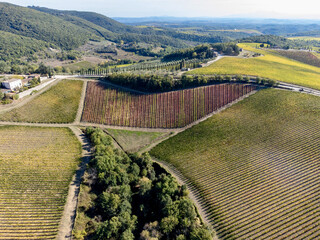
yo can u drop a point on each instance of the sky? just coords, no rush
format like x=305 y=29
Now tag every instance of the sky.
x=306 y=9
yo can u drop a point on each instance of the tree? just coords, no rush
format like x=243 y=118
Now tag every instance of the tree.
x=202 y=233
x=128 y=221
x=42 y=69
x=109 y=204
x=145 y=185
x=168 y=224
x=186 y=209
x=127 y=235
x=151 y=231
x=258 y=80
x=239 y=78
x=108 y=229
x=229 y=51
x=194 y=55
x=16 y=69
x=3 y=67
x=227 y=78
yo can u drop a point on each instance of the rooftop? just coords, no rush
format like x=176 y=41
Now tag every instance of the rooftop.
x=12 y=80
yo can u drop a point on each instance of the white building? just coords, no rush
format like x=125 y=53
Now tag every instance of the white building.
x=12 y=84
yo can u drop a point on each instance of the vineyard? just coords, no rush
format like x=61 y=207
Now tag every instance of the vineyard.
x=301 y=56
x=133 y=141
x=36 y=166
x=257 y=166
x=164 y=110
x=268 y=65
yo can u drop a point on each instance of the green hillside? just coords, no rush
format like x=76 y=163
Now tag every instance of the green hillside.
x=113 y=30
x=13 y=46
x=31 y=23
x=95 y=18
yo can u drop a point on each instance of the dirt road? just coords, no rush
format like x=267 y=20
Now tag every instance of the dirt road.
x=69 y=213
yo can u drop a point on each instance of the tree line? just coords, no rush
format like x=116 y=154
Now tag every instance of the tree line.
x=277 y=42
x=203 y=51
x=158 y=83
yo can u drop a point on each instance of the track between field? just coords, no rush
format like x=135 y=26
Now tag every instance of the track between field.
x=70 y=209
x=69 y=214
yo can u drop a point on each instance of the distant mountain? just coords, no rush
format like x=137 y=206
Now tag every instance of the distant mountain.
x=281 y=27
x=236 y=19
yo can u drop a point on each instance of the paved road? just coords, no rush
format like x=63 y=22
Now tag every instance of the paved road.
x=217 y=59
x=297 y=88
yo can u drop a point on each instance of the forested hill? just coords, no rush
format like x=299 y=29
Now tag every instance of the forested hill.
x=112 y=30
x=120 y=31
x=71 y=29
x=95 y=18
x=41 y=26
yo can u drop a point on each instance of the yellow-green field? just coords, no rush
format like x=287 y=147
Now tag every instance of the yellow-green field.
x=270 y=65
x=122 y=65
x=305 y=38
x=59 y=104
x=36 y=167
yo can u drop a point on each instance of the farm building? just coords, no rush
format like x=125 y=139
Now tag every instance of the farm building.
x=12 y=84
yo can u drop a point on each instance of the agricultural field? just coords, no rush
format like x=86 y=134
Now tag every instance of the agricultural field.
x=36 y=167
x=257 y=166
x=59 y=104
x=174 y=109
x=301 y=56
x=270 y=65
x=305 y=38
x=133 y=141
x=73 y=67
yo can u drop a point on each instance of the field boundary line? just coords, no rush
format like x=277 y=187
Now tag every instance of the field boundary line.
x=70 y=209
x=81 y=102
x=165 y=130
x=175 y=131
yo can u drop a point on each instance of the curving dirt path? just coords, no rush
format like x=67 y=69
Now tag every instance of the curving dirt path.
x=70 y=208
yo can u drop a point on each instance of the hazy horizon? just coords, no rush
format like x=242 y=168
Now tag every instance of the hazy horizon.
x=188 y=8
